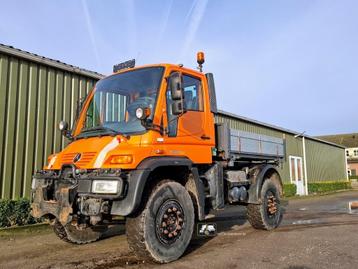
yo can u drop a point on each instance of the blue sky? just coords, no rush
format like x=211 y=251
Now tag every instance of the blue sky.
x=289 y=63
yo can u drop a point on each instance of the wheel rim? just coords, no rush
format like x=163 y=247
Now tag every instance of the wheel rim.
x=170 y=222
x=272 y=204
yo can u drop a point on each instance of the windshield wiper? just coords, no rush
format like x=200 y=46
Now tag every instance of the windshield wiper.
x=100 y=128
x=92 y=132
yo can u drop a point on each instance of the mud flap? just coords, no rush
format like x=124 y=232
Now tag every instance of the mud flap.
x=215 y=178
x=61 y=209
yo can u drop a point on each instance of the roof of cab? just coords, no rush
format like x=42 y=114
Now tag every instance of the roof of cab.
x=165 y=65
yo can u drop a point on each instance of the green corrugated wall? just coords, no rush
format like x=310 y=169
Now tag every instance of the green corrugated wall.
x=34 y=98
x=324 y=162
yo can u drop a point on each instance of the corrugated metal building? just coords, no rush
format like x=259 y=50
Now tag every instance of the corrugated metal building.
x=37 y=92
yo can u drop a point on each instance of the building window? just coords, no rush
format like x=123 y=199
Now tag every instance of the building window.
x=295 y=169
x=355 y=152
x=353 y=172
x=347 y=153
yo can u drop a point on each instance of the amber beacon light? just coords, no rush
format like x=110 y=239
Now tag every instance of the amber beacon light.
x=200 y=58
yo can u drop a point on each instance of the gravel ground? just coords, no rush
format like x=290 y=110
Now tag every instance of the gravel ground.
x=317 y=232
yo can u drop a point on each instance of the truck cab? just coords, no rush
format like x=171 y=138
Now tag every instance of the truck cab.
x=108 y=121
x=145 y=146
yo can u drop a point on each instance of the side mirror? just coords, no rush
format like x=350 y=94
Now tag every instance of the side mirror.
x=176 y=86
x=177 y=93
x=178 y=107
x=63 y=127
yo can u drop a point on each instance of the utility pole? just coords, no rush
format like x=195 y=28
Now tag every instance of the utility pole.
x=304 y=159
x=305 y=164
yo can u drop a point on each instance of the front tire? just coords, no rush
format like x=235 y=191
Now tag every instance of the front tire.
x=71 y=234
x=268 y=214
x=162 y=231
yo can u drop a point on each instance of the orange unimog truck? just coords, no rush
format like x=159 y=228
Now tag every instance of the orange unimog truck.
x=147 y=145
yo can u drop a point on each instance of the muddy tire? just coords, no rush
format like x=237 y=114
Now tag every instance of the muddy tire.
x=163 y=229
x=71 y=234
x=268 y=214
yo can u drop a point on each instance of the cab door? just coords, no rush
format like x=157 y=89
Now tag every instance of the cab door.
x=190 y=131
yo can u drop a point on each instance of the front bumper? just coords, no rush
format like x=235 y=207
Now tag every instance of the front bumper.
x=62 y=194
x=61 y=208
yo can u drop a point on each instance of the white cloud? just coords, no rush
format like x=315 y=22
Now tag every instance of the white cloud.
x=195 y=15
x=165 y=22
x=91 y=32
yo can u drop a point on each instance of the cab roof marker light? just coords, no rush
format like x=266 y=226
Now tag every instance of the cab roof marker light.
x=124 y=65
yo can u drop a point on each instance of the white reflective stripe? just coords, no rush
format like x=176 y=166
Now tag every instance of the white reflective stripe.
x=52 y=161
x=102 y=155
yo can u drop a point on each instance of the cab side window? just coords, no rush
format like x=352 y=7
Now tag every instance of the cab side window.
x=193 y=96
x=193 y=101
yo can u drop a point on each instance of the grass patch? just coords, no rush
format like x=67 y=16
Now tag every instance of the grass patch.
x=31 y=229
x=289 y=190
x=328 y=186
x=16 y=213
x=317 y=188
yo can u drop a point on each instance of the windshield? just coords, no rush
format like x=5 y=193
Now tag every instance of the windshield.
x=116 y=98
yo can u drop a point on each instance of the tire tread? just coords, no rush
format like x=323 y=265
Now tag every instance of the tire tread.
x=61 y=233
x=255 y=212
x=135 y=228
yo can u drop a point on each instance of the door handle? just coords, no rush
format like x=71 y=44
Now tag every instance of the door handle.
x=204 y=137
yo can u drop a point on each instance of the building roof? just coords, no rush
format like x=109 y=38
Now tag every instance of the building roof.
x=277 y=128
x=9 y=50
x=346 y=140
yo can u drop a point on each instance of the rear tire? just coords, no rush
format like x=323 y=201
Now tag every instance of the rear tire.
x=71 y=234
x=268 y=214
x=162 y=231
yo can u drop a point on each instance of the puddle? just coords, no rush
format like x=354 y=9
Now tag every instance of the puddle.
x=308 y=221
x=353 y=211
x=353 y=207
x=106 y=263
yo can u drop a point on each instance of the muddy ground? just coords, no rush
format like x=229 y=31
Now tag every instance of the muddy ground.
x=317 y=232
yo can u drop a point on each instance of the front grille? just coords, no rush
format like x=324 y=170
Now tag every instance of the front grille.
x=86 y=158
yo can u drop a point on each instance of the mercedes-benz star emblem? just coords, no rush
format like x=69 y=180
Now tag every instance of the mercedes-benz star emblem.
x=77 y=157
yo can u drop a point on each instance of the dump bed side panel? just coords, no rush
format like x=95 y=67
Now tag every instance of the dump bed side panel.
x=237 y=143
x=242 y=142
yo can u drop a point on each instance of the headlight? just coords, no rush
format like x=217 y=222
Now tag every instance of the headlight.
x=105 y=186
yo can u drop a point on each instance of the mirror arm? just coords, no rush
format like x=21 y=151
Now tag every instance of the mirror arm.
x=68 y=135
x=166 y=131
x=153 y=127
